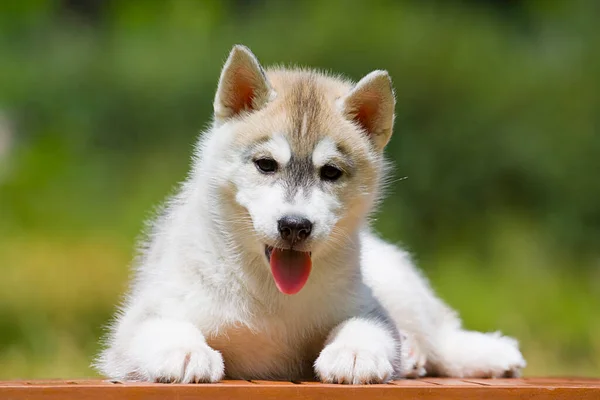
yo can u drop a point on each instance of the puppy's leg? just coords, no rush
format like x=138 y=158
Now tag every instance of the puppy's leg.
x=469 y=354
x=433 y=328
x=358 y=351
x=163 y=350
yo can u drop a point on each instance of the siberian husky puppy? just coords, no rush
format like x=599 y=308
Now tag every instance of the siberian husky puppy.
x=263 y=266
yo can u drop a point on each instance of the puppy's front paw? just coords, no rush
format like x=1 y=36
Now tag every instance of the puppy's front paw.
x=340 y=363
x=173 y=351
x=199 y=365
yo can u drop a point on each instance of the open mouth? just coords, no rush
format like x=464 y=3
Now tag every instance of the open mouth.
x=290 y=268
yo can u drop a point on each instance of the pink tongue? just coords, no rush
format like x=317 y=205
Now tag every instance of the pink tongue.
x=290 y=269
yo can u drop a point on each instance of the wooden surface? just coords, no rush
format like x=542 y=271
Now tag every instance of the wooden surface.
x=430 y=388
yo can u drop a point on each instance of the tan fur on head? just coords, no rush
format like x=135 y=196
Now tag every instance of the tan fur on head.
x=305 y=110
x=310 y=103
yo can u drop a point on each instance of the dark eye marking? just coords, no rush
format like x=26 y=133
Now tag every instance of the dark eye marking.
x=266 y=165
x=330 y=173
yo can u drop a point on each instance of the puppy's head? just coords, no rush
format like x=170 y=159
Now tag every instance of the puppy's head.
x=304 y=159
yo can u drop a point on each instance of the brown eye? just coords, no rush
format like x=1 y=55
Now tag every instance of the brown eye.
x=330 y=173
x=266 y=165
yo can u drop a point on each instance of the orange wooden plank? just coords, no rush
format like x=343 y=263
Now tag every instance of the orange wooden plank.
x=499 y=382
x=563 y=383
x=450 y=382
x=590 y=381
x=426 y=389
x=294 y=392
x=272 y=383
x=412 y=382
x=234 y=382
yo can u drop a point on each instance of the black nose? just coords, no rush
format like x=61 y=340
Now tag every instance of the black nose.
x=294 y=229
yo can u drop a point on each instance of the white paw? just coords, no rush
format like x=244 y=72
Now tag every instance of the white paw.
x=174 y=352
x=412 y=359
x=339 y=363
x=187 y=366
x=482 y=355
x=502 y=358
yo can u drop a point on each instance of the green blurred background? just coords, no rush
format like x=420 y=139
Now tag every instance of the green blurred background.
x=498 y=136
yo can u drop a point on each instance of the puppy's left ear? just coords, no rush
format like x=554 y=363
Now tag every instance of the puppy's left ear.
x=243 y=85
x=370 y=104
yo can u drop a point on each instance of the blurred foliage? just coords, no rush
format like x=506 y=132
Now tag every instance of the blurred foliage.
x=497 y=132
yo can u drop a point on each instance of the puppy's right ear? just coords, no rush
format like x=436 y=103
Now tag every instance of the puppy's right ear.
x=243 y=85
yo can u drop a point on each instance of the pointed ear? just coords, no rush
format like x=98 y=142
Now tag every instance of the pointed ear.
x=370 y=104
x=243 y=85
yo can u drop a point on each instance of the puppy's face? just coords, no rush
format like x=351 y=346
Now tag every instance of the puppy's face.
x=297 y=193
x=306 y=160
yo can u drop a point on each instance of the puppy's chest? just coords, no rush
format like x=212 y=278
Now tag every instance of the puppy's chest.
x=271 y=351
x=281 y=341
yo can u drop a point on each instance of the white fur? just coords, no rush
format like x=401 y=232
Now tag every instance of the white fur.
x=358 y=351
x=165 y=350
x=266 y=203
x=278 y=147
x=325 y=151
x=204 y=304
